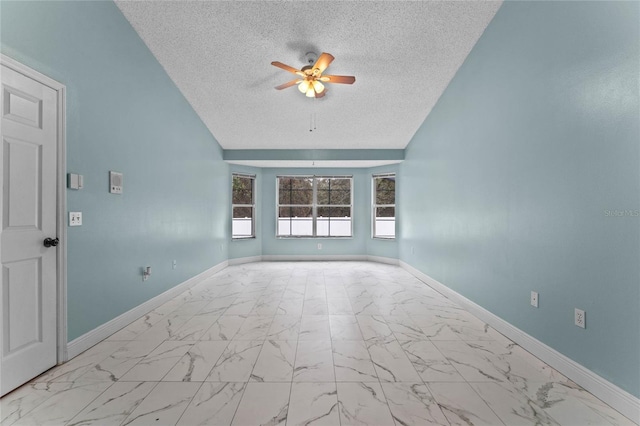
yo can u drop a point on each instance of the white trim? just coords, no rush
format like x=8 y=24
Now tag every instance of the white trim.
x=61 y=197
x=380 y=259
x=297 y=257
x=311 y=257
x=31 y=73
x=618 y=398
x=241 y=260
x=98 y=334
x=62 y=225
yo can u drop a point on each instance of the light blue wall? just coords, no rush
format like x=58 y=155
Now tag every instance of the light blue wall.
x=249 y=247
x=505 y=188
x=124 y=114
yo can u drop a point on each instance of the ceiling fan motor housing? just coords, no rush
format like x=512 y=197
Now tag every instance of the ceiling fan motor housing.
x=311 y=58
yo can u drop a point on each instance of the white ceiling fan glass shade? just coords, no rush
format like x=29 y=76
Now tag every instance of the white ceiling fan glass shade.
x=311 y=93
x=317 y=86
x=304 y=86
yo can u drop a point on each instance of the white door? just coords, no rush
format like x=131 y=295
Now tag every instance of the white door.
x=28 y=217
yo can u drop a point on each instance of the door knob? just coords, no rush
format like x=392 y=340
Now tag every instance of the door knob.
x=50 y=242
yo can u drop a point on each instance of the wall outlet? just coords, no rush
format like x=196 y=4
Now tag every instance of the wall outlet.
x=534 y=299
x=146 y=272
x=580 y=318
x=319 y=246
x=174 y=265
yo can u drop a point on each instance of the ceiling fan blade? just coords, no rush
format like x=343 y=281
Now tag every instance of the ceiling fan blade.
x=321 y=94
x=287 y=68
x=288 y=84
x=323 y=61
x=342 y=79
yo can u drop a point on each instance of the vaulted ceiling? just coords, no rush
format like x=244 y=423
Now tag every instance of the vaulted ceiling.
x=219 y=55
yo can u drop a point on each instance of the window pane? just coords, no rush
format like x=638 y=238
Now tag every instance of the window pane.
x=340 y=197
x=242 y=190
x=334 y=222
x=385 y=190
x=385 y=227
x=341 y=183
x=242 y=223
x=385 y=212
x=323 y=183
x=242 y=212
x=284 y=188
x=324 y=211
x=334 y=196
x=295 y=191
x=334 y=191
x=295 y=221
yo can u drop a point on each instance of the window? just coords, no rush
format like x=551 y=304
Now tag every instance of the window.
x=384 y=206
x=314 y=206
x=243 y=206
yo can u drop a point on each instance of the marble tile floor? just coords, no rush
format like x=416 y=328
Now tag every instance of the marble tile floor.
x=306 y=343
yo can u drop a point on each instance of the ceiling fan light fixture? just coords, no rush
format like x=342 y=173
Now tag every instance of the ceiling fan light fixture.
x=317 y=86
x=304 y=86
x=311 y=82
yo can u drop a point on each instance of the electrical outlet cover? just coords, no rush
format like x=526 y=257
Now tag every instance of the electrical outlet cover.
x=580 y=318
x=534 y=299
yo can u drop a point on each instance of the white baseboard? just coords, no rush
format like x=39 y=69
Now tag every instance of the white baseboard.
x=241 y=260
x=98 y=334
x=313 y=257
x=618 y=398
x=304 y=257
x=380 y=259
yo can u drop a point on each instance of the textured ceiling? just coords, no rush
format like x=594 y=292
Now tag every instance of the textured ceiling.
x=219 y=54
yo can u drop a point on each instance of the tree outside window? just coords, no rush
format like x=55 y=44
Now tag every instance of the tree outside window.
x=384 y=206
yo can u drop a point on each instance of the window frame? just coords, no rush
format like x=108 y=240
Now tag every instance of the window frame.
x=375 y=206
x=252 y=205
x=314 y=205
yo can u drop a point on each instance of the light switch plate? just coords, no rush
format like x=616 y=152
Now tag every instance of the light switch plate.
x=75 y=181
x=75 y=218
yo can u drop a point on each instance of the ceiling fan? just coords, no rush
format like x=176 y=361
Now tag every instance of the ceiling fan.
x=310 y=76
